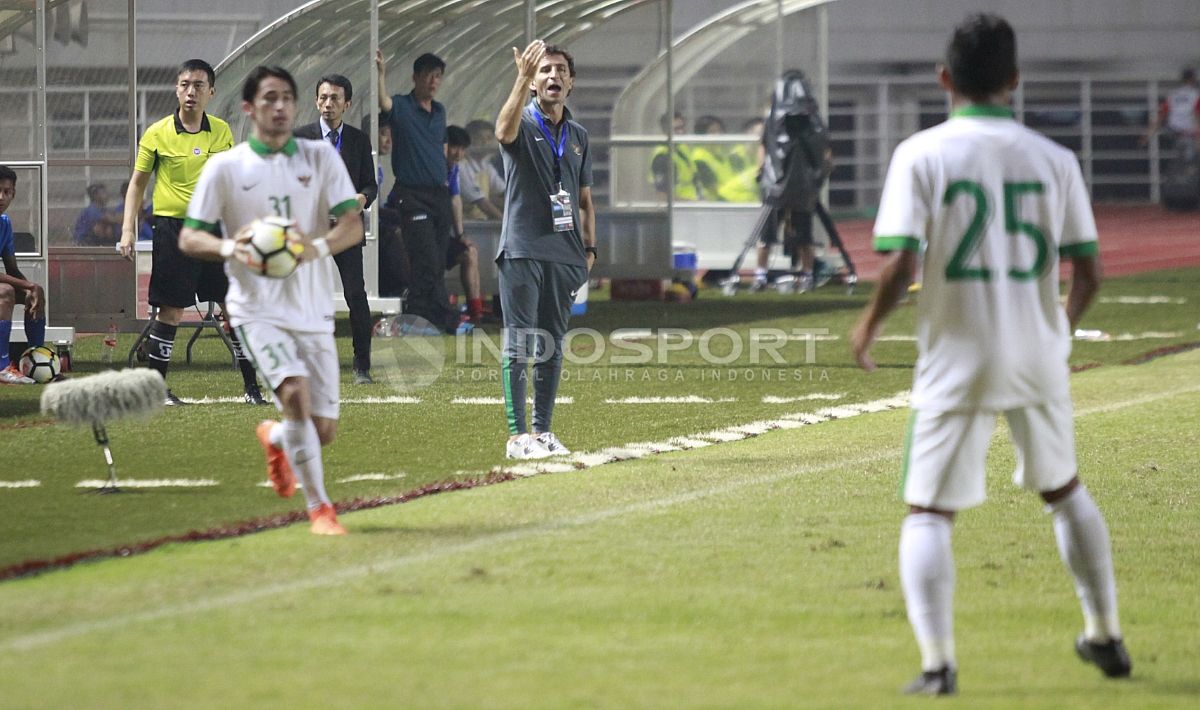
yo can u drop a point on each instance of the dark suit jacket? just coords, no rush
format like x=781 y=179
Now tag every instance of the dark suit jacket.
x=356 y=154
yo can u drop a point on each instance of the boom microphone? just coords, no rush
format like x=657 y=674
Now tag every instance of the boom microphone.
x=103 y=398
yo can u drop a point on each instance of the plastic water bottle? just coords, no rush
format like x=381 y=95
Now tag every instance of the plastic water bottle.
x=110 y=344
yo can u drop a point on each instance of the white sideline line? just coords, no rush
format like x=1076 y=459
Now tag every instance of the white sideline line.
x=1098 y=337
x=500 y=400
x=31 y=483
x=1143 y=300
x=772 y=399
x=46 y=638
x=685 y=399
x=348 y=400
x=372 y=477
x=150 y=483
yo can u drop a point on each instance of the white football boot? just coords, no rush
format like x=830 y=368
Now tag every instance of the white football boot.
x=551 y=444
x=525 y=447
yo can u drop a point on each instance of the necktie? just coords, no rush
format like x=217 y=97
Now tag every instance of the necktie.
x=333 y=138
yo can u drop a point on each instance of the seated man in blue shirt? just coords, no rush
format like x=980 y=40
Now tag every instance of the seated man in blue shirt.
x=15 y=288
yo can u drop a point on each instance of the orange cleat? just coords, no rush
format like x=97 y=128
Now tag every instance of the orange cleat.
x=324 y=521
x=279 y=471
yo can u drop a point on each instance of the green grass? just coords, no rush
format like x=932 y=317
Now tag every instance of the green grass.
x=758 y=573
x=437 y=440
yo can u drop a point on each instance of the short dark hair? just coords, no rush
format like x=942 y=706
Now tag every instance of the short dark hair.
x=667 y=121
x=1188 y=75
x=480 y=124
x=562 y=51
x=708 y=121
x=458 y=137
x=7 y=173
x=336 y=80
x=256 y=76
x=198 y=65
x=428 y=62
x=982 y=56
x=95 y=189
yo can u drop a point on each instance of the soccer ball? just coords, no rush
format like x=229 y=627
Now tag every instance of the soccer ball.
x=40 y=364
x=274 y=248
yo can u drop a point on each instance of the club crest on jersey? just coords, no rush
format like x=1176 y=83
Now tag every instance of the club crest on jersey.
x=195 y=151
x=304 y=179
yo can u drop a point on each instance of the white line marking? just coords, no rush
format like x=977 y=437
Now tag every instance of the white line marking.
x=52 y=636
x=150 y=483
x=1143 y=300
x=687 y=399
x=802 y=337
x=20 y=484
x=500 y=400
x=372 y=477
x=348 y=400
x=772 y=399
x=268 y=484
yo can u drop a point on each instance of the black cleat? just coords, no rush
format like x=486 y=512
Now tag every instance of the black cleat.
x=943 y=681
x=363 y=377
x=254 y=395
x=173 y=401
x=1110 y=656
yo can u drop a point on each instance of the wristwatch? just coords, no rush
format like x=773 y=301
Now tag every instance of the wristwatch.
x=592 y=251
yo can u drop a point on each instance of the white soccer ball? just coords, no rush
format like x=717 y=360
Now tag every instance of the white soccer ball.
x=274 y=248
x=40 y=364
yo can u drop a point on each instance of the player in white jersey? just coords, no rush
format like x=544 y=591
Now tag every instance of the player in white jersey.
x=995 y=207
x=286 y=324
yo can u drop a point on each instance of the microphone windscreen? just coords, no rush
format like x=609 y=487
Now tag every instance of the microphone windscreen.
x=105 y=397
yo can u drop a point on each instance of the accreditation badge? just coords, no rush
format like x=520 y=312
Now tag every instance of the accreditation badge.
x=561 y=210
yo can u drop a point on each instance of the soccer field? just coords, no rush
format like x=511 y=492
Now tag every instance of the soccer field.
x=746 y=571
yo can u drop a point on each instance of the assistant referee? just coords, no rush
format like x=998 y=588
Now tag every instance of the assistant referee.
x=175 y=149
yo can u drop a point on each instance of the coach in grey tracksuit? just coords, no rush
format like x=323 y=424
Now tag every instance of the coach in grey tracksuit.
x=547 y=245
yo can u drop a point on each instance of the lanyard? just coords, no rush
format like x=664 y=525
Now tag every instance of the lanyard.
x=556 y=149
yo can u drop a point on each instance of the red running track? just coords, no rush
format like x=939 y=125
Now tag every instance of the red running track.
x=1133 y=239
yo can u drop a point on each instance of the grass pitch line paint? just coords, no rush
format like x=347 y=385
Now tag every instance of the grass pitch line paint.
x=687 y=399
x=151 y=483
x=372 y=477
x=115 y=623
x=1143 y=300
x=771 y=399
x=21 y=484
x=53 y=636
x=493 y=401
x=347 y=400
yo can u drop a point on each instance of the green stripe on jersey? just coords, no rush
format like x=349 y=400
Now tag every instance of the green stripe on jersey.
x=344 y=206
x=1080 y=249
x=897 y=242
x=202 y=225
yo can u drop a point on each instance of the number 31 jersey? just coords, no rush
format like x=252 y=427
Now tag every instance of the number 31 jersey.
x=994 y=206
x=305 y=181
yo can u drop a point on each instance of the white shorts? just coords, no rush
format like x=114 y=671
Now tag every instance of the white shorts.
x=944 y=453
x=279 y=353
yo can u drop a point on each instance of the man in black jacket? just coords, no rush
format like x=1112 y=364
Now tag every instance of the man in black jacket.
x=334 y=95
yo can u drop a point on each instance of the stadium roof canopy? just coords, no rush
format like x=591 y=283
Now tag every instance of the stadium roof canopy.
x=473 y=36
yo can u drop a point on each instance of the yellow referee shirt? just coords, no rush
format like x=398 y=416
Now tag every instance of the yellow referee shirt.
x=178 y=157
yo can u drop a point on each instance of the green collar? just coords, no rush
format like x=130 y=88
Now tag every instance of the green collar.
x=288 y=149
x=982 y=111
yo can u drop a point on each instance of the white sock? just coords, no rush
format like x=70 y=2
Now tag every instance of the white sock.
x=303 y=449
x=275 y=435
x=760 y=274
x=1083 y=544
x=927 y=576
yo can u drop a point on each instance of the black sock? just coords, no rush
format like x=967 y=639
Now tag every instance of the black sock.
x=249 y=377
x=159 y=344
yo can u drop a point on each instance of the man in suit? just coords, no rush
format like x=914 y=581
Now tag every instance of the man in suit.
x=334 y=96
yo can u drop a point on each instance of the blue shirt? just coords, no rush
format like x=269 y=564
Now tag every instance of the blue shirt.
x=7 y=247
x=418 y=158
x=88 y=219
x=452 y=180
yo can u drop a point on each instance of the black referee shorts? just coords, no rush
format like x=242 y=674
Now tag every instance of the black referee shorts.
x=179 y=280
